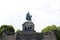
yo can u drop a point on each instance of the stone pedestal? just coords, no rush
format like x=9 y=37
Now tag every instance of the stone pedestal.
x=28 y=26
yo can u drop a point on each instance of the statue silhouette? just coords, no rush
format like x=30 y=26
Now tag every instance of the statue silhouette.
x=28 y=17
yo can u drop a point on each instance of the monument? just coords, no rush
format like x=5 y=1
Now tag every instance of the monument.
x=28 y=32
x=28 y=26
x=28 y=17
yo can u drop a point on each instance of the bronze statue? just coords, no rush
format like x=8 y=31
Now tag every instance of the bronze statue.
x=28 y=17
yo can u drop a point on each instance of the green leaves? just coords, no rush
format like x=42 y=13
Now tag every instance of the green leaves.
x=49 y=28
x=53 y=28
x=18 y=31
x=58 y=33
x=8 y=29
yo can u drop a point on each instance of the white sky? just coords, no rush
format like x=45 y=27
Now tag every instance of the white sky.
x=44 y=12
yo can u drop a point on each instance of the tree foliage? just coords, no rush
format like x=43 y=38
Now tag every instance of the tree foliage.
x=49 y=28
x=8 y=29
x=53 y=28
x=18 y=31
x=58 y=33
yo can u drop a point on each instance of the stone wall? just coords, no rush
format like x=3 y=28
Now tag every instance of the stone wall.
x=36 y=36
x=26 y=36
x=8 y=37
x=30 y=36
x=49 y=36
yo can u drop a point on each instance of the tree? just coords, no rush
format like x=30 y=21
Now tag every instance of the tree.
x=18 y=31
x=49 y=28
x=7 y=29
x=53 y=28
x=58 y=33
x=0 y=32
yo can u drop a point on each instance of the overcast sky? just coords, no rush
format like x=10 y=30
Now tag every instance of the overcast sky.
x=44 y=12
